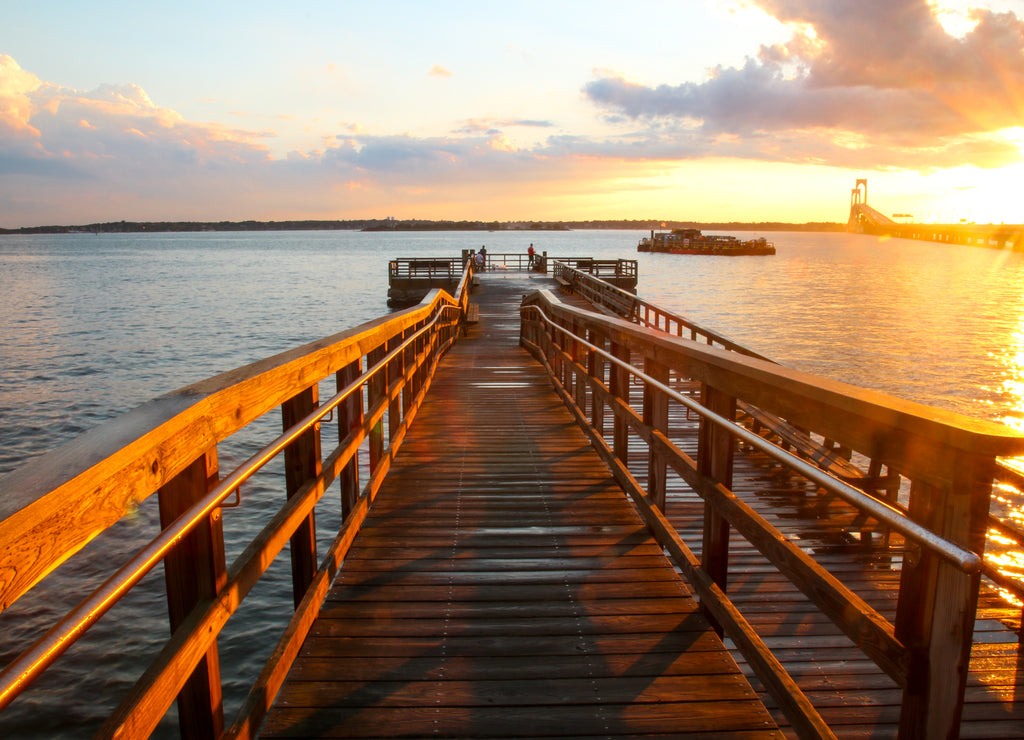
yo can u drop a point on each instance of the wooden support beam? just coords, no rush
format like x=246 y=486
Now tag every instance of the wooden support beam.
x=302 y=463
x=350 y=418
x=595 y=367
x=715 y=452
x=618 y=384
x=655 y=415
x=376 y=392
x=938 y=602
x=194 y=572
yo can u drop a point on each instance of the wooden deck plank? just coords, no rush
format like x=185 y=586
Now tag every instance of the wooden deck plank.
x=503 y=586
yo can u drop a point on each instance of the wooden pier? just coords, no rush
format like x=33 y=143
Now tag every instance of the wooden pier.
x=503 y=585
x=567 y=513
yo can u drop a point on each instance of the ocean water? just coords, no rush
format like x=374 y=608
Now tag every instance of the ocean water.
x=94 y=325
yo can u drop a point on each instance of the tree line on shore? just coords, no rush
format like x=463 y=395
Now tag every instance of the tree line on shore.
x=121 y=227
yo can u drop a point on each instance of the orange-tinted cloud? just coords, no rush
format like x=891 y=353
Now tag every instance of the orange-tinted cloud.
x=882 y=73
x=16 y=88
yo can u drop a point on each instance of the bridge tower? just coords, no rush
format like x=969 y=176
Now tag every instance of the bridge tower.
x=864 y=218
x=856 y=195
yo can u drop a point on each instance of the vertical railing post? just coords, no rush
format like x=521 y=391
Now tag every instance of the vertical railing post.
x=938 y=601
x=301 y=464
x=715 y=453
x=562 y=343
x=595 y=368
x=395 y=372
x=195 y=571
x=350 y=418
x=655 y=415
x=578 y=353
x=408 y=360
x=374 y=394
x=618 y=384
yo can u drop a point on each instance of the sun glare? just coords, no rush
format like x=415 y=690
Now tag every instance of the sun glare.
x=954 y=18
x=967 y=195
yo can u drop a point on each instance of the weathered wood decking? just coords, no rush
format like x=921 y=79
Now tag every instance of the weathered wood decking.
x=503 y=586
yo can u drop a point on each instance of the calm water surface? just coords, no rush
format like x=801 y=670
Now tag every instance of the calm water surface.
x=94 y=325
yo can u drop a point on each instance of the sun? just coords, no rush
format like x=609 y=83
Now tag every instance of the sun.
x=969 y=194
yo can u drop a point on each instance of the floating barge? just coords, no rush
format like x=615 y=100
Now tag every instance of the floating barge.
x=692 y=241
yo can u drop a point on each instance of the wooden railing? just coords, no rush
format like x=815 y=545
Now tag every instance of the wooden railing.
x=429 y=268
x=56 y=504
x=598 y=268
x=948 y=460
x=619 y=302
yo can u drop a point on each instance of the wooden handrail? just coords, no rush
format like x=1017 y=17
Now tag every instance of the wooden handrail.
x=55 y=504
x=949 y=460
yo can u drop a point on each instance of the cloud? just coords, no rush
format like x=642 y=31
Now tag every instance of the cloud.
x=438 y=71
x=16 y=88
x=73 y=156
x=494 y=126
x=113 y=127
x=883 y=75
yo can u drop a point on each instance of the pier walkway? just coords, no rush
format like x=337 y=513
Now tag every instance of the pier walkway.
x=544 y=508
x=503 y=585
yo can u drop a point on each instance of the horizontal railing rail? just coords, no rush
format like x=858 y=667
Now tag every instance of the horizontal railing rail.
x=948 y=460
x=381 y=369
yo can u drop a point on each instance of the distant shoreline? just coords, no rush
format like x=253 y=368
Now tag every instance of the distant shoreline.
x=388 y=225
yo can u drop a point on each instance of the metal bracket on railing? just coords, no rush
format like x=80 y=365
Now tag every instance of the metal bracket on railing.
x=236 y=503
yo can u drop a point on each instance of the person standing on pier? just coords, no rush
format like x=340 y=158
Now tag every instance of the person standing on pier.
x=482 y=255
x=532 y=253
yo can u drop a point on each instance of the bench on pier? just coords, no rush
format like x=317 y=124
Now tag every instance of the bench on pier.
x=833 y=460
x=472 y=317
x=563 y=283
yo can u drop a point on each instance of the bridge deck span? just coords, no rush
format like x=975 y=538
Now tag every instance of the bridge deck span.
x=503 y=586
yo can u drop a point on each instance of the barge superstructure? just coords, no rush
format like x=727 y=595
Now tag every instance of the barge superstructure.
x=692 y=241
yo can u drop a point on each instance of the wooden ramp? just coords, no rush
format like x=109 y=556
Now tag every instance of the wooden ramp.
x=503 y=586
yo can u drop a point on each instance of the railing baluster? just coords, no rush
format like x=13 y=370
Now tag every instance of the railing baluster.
x=715 y=453
x=195 y=571
x=395 y=370
x=408 y=358
x=655 y=415
x=595 y=367
x=375 y=392
x=350 y=418
x=618 y=384
x=937 y=601
x=578 y=352
x=302 y=463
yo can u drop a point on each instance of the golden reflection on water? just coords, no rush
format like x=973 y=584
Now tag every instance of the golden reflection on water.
x=1013 y=383
x=1008 y=501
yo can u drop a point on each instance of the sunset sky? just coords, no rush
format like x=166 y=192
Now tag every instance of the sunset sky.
x=737 y=110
